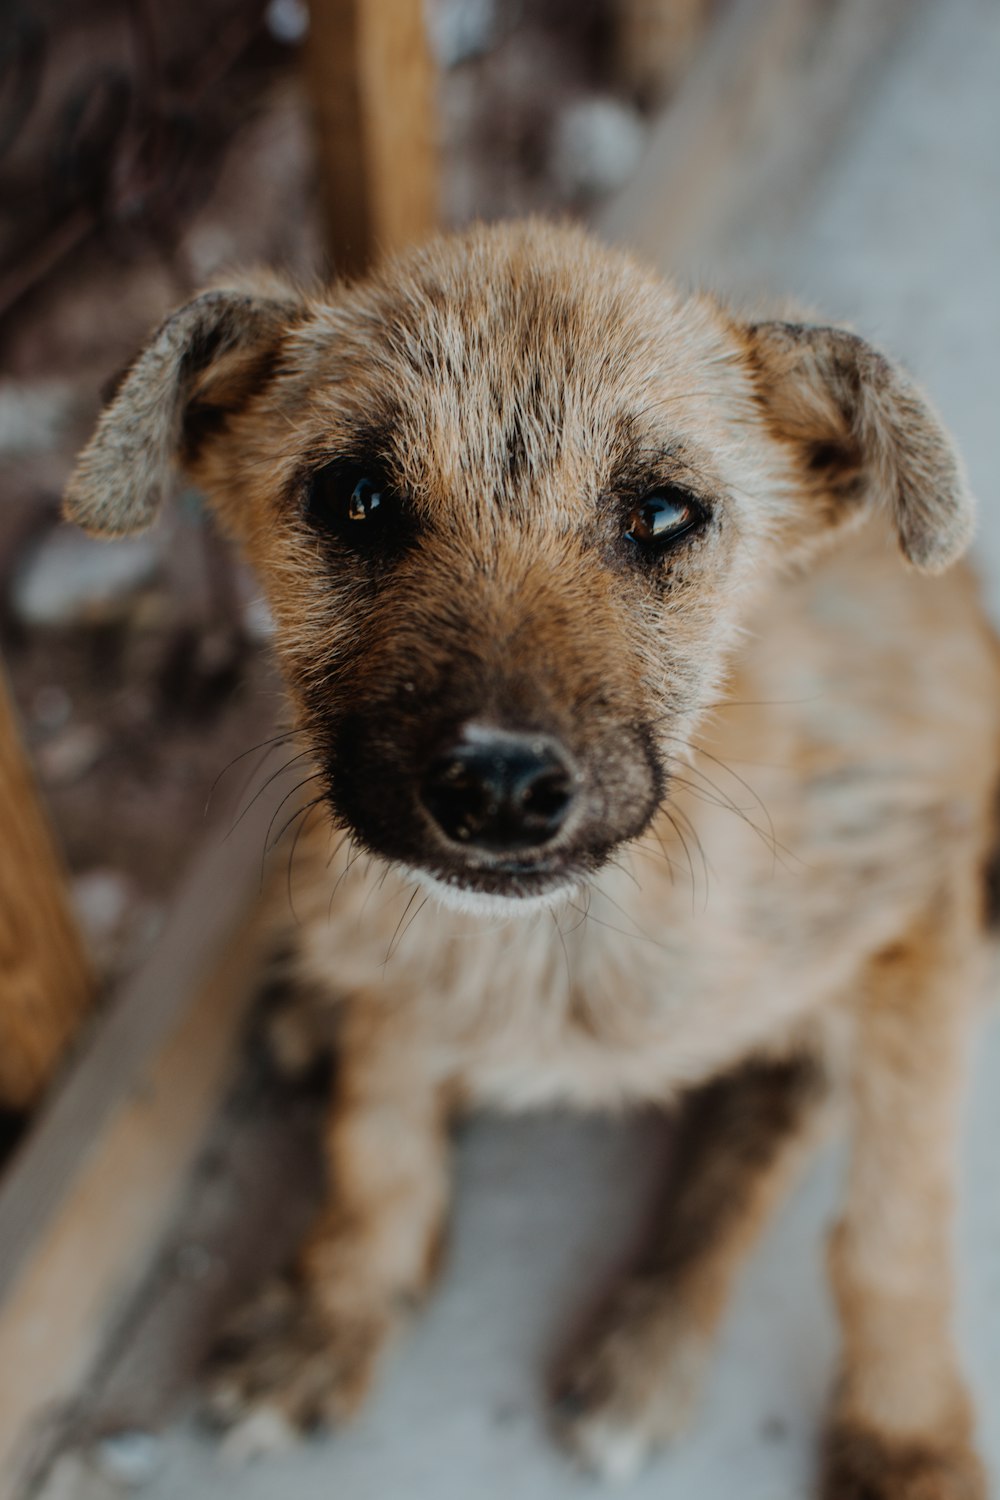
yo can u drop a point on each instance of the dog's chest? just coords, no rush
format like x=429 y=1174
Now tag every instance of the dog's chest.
x=623 y=1009
x=628 y=994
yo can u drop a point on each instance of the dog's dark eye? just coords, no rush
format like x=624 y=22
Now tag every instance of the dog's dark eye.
x=661 y=518
x=358 y=507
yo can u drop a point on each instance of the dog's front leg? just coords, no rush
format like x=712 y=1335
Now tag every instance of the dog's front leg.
x=634 y=1380
x=306 y=1352
x=901 y=1425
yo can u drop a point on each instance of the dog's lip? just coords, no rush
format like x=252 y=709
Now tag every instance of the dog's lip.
x=518 y=879
x=459 y=863
x=503 y=880
x=527 y=867
x=515 y=896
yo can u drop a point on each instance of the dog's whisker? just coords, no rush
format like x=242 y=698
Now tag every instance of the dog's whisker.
x=414 y=917
x=271 y=744
x=309 y=809
x=375 y=887
x=354 y=851
x=691 y=826
x=631 y=937
x=302 y=754
x=767 y=835
x=638 y=932
x=616 y=862
x=345 y=835
x=582 y=919
x=660 y=855
x=392 y=941
x=269 y=845
x=668 y=813
x=562 y=941
x=336 y=886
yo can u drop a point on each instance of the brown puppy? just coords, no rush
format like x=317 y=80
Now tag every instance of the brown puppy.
x=607 y=622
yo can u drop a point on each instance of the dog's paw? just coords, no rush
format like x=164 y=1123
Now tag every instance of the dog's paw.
x=284 y=1367
x=631 y=1387
x=859 y=1465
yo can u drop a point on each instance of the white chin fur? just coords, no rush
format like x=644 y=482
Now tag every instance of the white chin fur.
x=485 y=904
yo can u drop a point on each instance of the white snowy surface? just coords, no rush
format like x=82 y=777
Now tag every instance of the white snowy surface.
x=902 y=237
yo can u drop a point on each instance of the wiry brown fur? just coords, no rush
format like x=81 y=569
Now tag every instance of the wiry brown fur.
x=785 y=741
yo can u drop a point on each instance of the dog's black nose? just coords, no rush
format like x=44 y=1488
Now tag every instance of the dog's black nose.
x=500 y=791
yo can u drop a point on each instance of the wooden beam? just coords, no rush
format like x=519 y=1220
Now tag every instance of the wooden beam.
x=86 y=1203
x=45 y=982
x=372 y=85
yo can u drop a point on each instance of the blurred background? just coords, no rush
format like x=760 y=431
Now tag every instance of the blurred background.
x=839 y=151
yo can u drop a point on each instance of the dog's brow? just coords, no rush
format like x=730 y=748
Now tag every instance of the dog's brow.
x=360 y=440
x=640 y=461
x=636 y=465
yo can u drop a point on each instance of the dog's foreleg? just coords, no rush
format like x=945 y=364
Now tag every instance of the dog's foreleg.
x=308 y=1350
x=632 y=1385
x=901 y=1424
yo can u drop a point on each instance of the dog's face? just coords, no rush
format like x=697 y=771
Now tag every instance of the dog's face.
x=507 y=500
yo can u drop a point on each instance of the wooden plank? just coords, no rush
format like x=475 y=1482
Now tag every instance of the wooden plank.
x=372 y=85
x=46 y=986
x=86 y=1204
x=252 y=1198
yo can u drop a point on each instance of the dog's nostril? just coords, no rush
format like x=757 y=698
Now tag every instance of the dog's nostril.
x=499 y=791
x=549 y=796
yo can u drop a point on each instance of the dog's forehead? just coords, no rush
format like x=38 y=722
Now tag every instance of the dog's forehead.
x=510 y=357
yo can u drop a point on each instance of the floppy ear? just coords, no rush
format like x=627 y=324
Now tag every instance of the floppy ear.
x=865 y=436
x=199 y=367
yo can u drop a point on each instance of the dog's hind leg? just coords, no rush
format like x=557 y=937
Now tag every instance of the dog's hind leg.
x=633 y=1381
